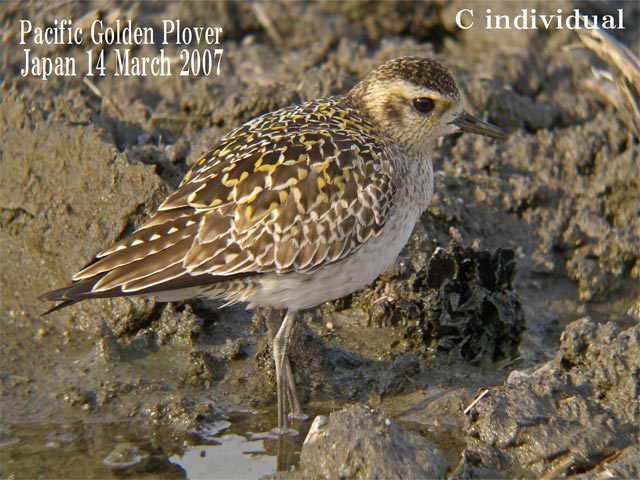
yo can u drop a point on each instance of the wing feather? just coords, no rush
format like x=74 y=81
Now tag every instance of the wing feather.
x=267 y=198
x=341 y=202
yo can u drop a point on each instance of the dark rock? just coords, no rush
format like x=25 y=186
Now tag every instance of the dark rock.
x=471 y=305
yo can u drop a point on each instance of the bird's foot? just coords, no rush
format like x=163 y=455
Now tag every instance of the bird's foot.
x=300 y=416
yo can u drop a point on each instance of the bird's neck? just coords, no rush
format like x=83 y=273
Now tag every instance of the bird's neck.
x=414 y=178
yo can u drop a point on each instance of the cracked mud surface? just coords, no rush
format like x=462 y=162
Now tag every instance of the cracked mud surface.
x=546 y=318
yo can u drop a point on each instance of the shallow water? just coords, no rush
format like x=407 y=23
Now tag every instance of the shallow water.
x=234 y=457
x=106 y=449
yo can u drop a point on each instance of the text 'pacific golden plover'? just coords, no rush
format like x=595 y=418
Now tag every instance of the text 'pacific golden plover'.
x=296 y=207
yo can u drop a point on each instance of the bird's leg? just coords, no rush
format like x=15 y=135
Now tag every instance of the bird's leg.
x=284 y=378
x=292 y=397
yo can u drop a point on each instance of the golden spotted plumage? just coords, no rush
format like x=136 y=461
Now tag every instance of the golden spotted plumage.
x=296 y=207
x=262 y=200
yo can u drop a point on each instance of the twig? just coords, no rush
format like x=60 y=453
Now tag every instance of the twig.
x=559 y=469
x=475 y=401
x=267 y=24
x=511 y=362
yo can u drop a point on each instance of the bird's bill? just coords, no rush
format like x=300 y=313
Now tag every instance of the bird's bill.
x=468 y=123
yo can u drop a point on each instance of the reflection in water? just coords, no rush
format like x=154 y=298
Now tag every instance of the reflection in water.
x=237 y=452
x=234 y=457
x=100 y=449
x=288 y=452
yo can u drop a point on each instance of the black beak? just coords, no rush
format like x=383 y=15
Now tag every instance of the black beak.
x=469 y=123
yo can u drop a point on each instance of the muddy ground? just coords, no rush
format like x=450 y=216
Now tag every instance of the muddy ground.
x=520 y=284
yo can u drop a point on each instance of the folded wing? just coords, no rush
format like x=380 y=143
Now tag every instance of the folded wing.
x=291 y=197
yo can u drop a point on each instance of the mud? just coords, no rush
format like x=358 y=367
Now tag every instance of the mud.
x=357 y=442
x=134 y=387
x=535 y=423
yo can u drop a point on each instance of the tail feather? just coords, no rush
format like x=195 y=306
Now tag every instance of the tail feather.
x=83 y=289
x=60 y=306
x=151 y=261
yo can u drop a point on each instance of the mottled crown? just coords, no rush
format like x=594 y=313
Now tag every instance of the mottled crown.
x=422 y=72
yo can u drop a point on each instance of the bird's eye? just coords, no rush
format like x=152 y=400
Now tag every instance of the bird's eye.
x=424 y=104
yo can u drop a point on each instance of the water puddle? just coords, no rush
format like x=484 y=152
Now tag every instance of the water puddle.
x=234 y=457
x=241 y=447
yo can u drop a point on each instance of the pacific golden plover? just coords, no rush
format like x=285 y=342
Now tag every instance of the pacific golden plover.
x=296 y=207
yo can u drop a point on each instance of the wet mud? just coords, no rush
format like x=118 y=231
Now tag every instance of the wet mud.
x=504 y=342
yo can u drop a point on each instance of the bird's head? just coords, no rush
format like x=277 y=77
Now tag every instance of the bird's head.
x=414 y=101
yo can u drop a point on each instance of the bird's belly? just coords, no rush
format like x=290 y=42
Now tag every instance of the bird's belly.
x=297 y=291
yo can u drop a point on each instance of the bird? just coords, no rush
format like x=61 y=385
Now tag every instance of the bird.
x=296 y=207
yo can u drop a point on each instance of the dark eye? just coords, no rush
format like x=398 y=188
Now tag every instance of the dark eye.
x=423 y=104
